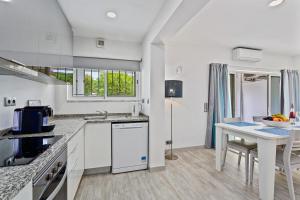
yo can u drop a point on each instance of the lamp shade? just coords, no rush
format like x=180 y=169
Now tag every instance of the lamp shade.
x=173 y=88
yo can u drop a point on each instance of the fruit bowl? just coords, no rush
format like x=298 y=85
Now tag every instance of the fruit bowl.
x=276 y=124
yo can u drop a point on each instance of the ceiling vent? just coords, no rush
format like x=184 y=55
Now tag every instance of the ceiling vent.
x=100 y=42
x=247 y=54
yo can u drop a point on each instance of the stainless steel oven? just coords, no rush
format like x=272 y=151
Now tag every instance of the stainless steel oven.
x=51 y=182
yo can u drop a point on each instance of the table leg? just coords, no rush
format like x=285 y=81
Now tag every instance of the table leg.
x=266 y=158
x=219 y=148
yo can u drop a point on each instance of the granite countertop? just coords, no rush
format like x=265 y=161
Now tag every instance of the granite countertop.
x=14 y=179
x=115 y=117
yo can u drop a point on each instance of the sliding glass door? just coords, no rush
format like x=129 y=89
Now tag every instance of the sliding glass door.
x=254 y=94
x=274 y=94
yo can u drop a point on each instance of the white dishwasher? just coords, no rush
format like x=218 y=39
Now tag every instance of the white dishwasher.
x=129 y=146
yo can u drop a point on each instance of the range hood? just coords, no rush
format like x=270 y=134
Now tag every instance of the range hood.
x=14 y=68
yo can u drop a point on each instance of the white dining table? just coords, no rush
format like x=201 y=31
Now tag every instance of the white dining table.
x=266 y=144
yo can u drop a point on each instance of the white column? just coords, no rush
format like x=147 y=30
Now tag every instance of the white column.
x=266 y=157
x=157 y=125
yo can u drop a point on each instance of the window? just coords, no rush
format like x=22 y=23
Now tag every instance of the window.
x=275 y=94
x=104 y=83
x=120 y=83
x=63 y=74
x=89 y=82
x=232 y=93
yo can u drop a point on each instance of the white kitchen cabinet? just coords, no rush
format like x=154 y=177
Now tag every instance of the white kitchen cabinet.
x=25 y=193
x=97 y=145
x=75 y=162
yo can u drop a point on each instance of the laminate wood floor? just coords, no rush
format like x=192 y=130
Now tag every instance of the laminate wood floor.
x=191 y=177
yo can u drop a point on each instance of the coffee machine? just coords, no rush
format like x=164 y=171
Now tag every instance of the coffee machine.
x=32 y=119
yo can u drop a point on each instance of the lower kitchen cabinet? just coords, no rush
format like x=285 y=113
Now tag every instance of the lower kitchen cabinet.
x=97 y=145
x=25 y=193
x=75 y=162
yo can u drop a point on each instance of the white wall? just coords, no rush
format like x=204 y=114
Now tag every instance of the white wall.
x=84 y=46
x=296 y=61
x=23 y=90
x=25 y=26
x=62 y=106
x=189 y=116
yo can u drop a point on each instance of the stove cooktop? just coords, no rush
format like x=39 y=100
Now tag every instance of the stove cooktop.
x=22 y=151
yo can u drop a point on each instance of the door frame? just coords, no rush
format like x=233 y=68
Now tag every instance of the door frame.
x=260 y=71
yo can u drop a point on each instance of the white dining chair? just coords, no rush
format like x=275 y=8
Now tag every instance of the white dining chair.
x=241 y=146
x=285 y=159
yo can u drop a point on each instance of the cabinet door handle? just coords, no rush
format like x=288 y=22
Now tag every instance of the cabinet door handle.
x=73 y=150
x=130 y=127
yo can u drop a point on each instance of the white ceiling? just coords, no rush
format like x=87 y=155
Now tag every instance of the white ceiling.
x=88 y=17
x=249 y=23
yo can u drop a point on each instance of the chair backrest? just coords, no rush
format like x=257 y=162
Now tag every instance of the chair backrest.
x=292 y=145
x=258 y=118
x=228 y=120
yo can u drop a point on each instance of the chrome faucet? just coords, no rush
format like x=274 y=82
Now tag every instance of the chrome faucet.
x=102 y=113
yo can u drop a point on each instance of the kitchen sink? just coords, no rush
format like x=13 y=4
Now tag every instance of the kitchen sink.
x=95 y=117
x=110 y=117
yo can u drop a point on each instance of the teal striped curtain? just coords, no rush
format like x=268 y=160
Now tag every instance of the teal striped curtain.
x=219 y=105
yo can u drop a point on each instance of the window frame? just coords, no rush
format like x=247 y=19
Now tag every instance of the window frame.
x=71 y=97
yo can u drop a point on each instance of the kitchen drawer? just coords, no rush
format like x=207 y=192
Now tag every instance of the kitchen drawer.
x=25 y=193
x=75 y=162
x=75 y=140
x=72 y=158
x=74 y=178
x=73 y=182
x=76 y=149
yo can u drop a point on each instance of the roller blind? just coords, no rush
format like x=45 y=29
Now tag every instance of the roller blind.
x=107 y=64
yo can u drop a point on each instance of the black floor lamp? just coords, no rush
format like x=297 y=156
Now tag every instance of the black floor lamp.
x=173 y=89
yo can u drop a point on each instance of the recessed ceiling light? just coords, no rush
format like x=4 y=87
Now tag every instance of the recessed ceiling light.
x=275 y=3
x=111 y=14
x=5 y=1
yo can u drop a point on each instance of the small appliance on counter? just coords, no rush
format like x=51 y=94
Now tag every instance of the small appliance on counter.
x=32 y=119
x=136 y=109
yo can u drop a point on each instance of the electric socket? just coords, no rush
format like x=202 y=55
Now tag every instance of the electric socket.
x=10 y=101
x=205 y=107
x=13 y=101
x=168 y=142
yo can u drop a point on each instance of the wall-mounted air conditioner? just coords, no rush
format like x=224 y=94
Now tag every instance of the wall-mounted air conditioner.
x=247 y=54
